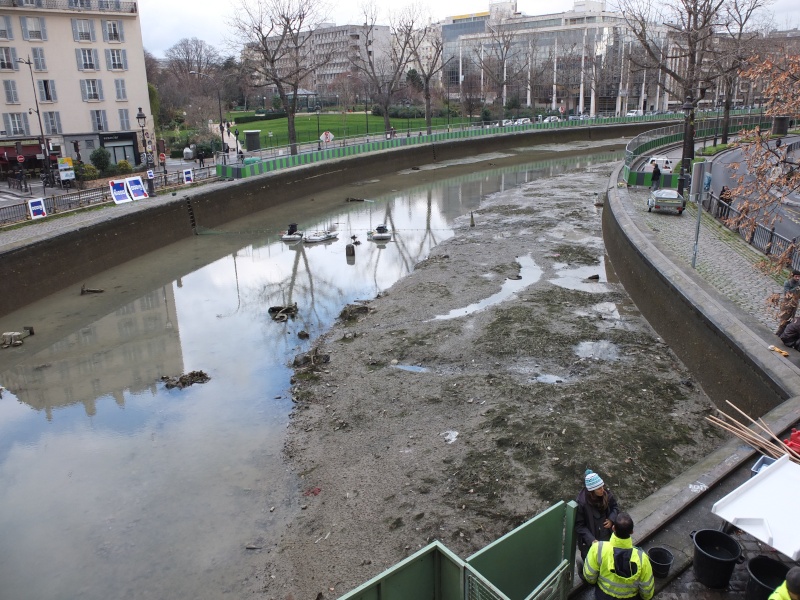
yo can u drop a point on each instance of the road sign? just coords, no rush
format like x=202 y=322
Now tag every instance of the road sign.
x=162 y=157
x=20 y=159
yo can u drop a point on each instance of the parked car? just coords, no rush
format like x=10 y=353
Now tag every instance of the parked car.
x=507 y=122
x=637 y=112
x=523 y=121
x=552 y=119
x=666 y=200
x=664 y=163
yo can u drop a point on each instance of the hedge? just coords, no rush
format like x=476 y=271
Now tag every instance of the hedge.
x=267 y=117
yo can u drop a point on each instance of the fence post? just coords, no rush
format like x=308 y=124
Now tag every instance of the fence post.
x=768 y=249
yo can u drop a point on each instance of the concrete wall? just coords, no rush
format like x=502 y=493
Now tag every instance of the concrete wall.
x=69 y=258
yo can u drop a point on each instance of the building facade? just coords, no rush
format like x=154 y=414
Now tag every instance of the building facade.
x=76 y=67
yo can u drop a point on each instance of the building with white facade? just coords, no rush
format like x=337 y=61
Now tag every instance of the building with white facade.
x=80 y=63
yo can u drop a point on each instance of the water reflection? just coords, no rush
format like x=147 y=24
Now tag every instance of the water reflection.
x=113 y=486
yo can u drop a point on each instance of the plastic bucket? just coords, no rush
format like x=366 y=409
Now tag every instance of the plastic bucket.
x=766 y=574
x=661 y=560
x=715 y=556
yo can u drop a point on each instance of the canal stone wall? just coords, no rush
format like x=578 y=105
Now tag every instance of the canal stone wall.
x=56 y=257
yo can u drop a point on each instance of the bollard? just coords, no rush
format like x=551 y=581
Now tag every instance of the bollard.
x=350 y=250
x=471 y=219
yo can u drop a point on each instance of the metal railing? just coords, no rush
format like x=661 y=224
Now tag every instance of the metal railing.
x=759 y=236
x=121 y=6
x=17 y=213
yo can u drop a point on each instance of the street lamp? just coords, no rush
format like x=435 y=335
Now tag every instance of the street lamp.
x=41 y=129
x=141 y=119
x=688 y=144
x=219 y=102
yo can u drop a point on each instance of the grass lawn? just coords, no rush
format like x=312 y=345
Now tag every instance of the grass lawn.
x=340 y=125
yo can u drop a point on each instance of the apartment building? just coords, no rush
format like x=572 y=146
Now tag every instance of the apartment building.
x=73 y=72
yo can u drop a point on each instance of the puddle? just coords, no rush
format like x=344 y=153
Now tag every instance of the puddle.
x=577 y=278
x=529 y=274
x=547 y=378
x=412 y=368
x=600 y=350
x=608 y=310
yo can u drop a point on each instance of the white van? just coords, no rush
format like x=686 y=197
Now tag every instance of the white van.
x=634 y=113
x=664 y=163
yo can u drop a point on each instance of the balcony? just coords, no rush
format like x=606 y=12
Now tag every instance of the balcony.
x=102 y=6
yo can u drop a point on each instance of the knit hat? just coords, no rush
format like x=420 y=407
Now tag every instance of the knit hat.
x=592 y=480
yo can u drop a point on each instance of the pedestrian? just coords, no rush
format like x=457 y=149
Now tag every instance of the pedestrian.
x=597 y=510
x=656 y=177
x=236 y=133
x=617 y=567
x=791 y=289
x=791 y=335
x=726 y=195
x=790 y=588
x=202 y=158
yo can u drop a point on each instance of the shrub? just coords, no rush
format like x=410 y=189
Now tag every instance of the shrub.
x=124 y=167
x=100 y=158
x=86 y=172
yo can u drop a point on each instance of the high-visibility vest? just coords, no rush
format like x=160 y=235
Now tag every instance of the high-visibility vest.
x=599 y=568
x=782 y=593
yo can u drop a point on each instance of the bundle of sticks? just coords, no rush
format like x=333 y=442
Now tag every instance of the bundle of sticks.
x=765 y=440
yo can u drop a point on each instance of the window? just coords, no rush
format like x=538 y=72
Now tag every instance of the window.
x=5 y=28
x=122 y=93
x=99 y=120
x=124 y=119
x=108 y=4
x=16 y=123
x=91 y=90
x=80 y=3
x=47 y=90
x=33 y=28
x=38 y=59
x=117 y=60
x=52 y=123
x=89 y=144
x=83 y=30
x=10 y=87
x=8 y=58
x=87 y=58
x=113 y=31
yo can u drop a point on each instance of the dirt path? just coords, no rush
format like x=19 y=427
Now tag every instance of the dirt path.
x=461 y=429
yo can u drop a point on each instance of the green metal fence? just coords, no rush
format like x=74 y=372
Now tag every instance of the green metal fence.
x=533 y=562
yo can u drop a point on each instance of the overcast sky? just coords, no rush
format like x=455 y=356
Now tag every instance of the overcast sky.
x=164 y=22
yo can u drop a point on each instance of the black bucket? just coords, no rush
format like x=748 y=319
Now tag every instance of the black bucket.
x=766 y=574
x=661 y=560
x=715 y=556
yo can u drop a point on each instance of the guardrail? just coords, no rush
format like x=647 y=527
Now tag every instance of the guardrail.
x=124 y=6
x=17 y=213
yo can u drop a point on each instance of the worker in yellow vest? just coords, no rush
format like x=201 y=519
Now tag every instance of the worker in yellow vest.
x=789 y=589
x=617 y=567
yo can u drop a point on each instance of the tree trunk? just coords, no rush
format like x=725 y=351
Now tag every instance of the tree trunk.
x=726 y=117
x=428 y=105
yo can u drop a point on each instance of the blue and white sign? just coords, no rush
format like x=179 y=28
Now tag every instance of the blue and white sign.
x=188 y=176
x=150 y=174
x=119 y=192
x=136 y=188
x=37 y=208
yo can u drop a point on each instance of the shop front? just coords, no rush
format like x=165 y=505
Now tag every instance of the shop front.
x=121 y=146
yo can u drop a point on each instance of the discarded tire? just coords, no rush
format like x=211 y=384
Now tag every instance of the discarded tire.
x=661 y=561
x=715 y=556
x=766 y=574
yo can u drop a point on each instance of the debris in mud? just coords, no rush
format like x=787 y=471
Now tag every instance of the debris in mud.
x=593 y=278
x=185 y=380
x=312 y=491
x=14 y=338
x=303 y=334
x=348 y=199
x=353 y=311
x=282 y=313
x=85 y=290
x=311 y=359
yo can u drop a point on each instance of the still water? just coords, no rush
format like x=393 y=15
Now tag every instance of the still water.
x=112 y=486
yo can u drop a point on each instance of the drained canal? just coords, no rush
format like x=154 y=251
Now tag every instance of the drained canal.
x=114 y=486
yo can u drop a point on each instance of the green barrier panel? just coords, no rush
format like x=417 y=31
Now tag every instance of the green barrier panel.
x=434 y=572
x=521 y=560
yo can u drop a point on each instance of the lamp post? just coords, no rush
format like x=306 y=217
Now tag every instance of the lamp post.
x=141 y=119
x=688 y=144
x=42 y=141
x=219 y=102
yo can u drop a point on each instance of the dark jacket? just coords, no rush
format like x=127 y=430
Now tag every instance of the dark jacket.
x=656 y=173
x=791 y=335
x=589 y=521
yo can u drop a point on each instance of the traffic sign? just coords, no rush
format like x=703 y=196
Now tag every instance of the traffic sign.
x=20 y=159
x=162 y=157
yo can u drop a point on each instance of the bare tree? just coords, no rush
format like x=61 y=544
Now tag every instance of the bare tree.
x=383 y=65
x=502 y=58
x=191 y=54
x=279 y=50
x=428 y=64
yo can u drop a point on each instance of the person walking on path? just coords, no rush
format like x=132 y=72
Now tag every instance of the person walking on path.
x=791 y=290
x=789 y=589
x=656 y=177
x=617 y=567
x=201 y=158
x=597 y=511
